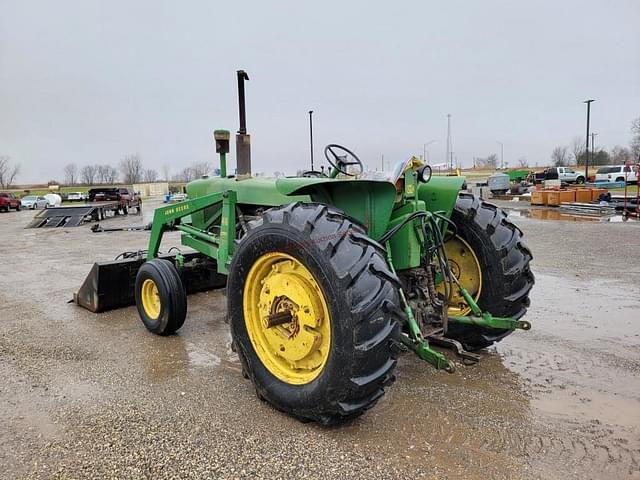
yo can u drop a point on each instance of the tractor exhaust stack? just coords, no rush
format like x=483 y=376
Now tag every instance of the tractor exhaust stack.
x=243 y=140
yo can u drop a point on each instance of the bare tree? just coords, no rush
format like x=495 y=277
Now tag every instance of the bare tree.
x=131 y=167
x=577 y=147
x=110 y=174
x=620 y=155
x=635 y=139
x=559 y=156
x=150 y=175
x=490 y=161
x=101 y=173
x=71 y=174
x=8 y=172
x=523 y=162
x=185 y=175
x=88 y=174
x=201 y=168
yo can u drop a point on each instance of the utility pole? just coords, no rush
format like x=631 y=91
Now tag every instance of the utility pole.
x=449 y=145
x=425 y=152
x=311 y=136
x=586 y=151
x=501 y=154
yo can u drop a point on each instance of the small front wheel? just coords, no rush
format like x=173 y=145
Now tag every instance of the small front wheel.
x=160 y=297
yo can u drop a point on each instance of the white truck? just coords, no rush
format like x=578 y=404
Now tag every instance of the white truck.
x=617 y=173
x=564 y=174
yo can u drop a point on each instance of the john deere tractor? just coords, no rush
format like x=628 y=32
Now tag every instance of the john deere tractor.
x=329 y=278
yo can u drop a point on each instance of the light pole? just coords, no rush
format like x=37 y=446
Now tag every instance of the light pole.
x=311 y=137
x=501 y=154
x=425 y=152
x=586 y=151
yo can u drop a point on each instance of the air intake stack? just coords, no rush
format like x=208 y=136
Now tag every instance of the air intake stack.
x=243 y=140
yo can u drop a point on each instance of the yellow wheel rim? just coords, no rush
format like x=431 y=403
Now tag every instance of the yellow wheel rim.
x=465 y=267
x=150 y=299
x=287 y=318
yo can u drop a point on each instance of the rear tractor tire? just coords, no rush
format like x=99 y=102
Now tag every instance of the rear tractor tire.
x=160 y=297
x=497 y=275
x=313 y=309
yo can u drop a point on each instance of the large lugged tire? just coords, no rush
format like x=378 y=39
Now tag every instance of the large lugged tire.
x=504 y=262
x=160 y=297
x=307 y=257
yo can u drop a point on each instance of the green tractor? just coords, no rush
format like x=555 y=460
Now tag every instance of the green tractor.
x=329 y=278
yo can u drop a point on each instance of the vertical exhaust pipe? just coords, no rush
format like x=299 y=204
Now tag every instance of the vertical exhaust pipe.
x=243 y=140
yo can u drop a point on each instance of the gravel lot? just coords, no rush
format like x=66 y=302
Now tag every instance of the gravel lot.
x=97 y=396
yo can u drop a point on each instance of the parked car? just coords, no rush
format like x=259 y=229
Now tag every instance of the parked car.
x=616 y=173
x=125 y=197
x=77 y=196
x=34 y=202
x=8 y=201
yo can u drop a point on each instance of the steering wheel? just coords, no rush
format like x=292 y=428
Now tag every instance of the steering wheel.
x=340 y=162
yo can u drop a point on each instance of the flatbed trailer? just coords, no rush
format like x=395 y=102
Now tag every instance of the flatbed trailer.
x=73 y=215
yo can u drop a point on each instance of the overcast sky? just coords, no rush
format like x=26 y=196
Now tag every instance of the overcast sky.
x=91 y=81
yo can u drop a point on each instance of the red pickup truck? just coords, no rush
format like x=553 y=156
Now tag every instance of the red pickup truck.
x=8 y=201
x=125 y=197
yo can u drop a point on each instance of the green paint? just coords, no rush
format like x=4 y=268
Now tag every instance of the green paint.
x=440 y=194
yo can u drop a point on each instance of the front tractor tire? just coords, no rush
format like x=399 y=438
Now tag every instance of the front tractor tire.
x=160 y=297
x=313 y=308
x=504 y=280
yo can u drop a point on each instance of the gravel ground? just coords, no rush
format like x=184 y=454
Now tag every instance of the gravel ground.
x=97 y=396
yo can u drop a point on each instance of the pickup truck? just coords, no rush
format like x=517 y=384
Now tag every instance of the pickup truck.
x=126 y=198
x=564 y=174
x=8 y=201
x=617 y=173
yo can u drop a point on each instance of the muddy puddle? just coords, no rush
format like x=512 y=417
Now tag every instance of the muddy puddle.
x=562 y=400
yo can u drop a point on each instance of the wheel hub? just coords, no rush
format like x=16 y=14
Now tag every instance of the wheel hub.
x=465 y=266
x=150 y=299
x=287 y=318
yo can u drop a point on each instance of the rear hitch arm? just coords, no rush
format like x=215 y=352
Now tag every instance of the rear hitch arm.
x=485 y=319
x=414 y=339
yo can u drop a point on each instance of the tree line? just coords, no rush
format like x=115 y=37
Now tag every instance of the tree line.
x=575 y=153
x=130 y=171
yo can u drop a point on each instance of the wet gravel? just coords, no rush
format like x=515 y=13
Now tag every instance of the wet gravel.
x=97 y=396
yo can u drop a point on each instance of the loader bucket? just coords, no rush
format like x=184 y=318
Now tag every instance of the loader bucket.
x=111 y=285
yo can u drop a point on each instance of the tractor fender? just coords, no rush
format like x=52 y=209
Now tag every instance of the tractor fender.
x=441 y=193
x=368 y=201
